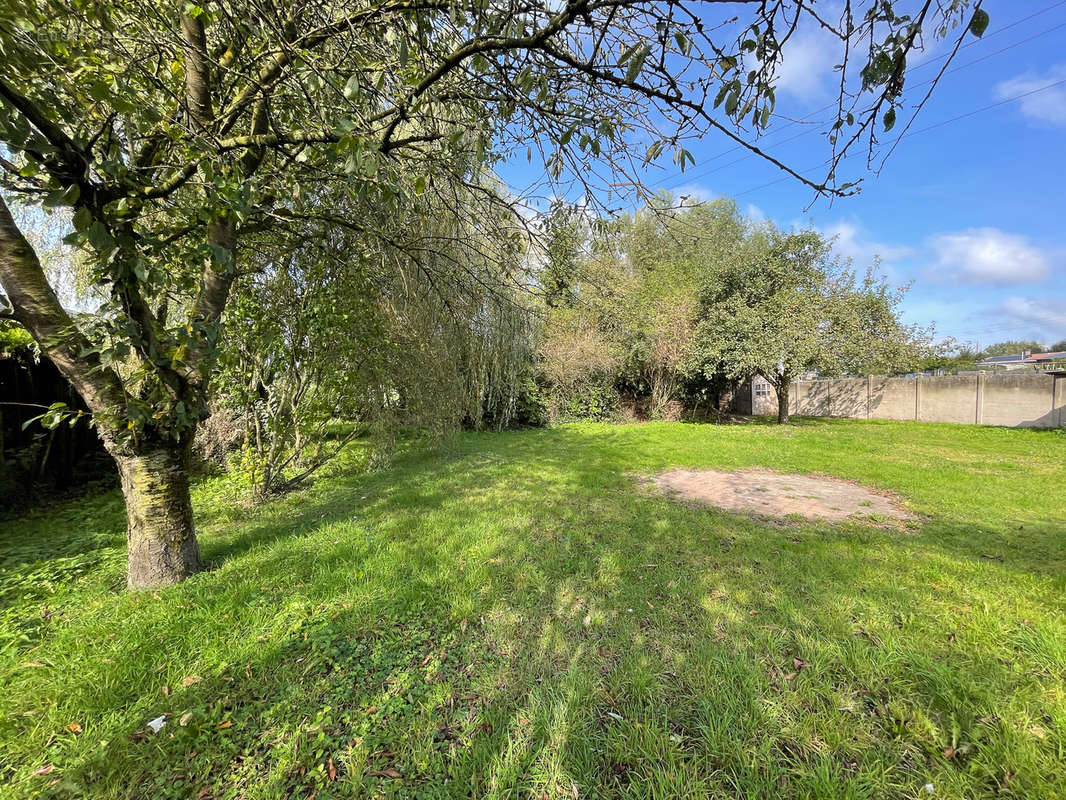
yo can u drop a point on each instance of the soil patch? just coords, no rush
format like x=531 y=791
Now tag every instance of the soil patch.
x=764 y=492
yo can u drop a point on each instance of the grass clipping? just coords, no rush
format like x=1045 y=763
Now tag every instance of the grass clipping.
x=758 y=491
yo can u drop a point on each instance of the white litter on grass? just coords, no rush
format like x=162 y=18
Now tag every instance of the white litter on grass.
x=929 y=788
x=157 y=724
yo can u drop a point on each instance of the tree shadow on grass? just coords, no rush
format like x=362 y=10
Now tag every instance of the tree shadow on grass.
x=511 y=618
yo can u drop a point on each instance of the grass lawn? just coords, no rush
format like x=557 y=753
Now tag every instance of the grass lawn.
x=509 y=616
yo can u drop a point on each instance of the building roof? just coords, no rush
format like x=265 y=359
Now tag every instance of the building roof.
x=1024 y=358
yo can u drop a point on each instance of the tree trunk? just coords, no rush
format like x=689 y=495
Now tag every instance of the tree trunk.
x=782 y=402
x=161 y=540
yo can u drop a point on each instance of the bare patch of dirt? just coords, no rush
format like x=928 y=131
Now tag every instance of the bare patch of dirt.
x=763 y=492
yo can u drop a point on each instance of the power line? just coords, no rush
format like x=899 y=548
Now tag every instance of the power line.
x=681 y=180
x=919 y=131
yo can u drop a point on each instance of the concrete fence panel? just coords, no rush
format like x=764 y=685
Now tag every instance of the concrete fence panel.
x=1025 y=400
x=949 y=398
x=848 y=397
x=893 y=398
x=811 y=398
x=1029 y=400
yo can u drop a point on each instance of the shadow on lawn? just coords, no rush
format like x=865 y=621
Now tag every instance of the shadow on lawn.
x=620 y=644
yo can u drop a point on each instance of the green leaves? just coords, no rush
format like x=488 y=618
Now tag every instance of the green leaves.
x=889 y=119
x=62 y=197
x=54 y=417
x=681 y=156
x=351 y=88
x=633 y=58
x=979 y=22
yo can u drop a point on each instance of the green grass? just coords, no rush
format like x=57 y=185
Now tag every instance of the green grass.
x=511 y=617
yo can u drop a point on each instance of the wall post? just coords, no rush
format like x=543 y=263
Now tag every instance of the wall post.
x=918 y=397
x=979 y=410
x=1058 y=389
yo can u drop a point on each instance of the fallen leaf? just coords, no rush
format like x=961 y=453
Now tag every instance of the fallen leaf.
x=949 y=753
x=384 y=773
x=33 y=664
x=190 y=680
x=753 y=613
x=185 y=718
x=372 y=709
x=462 y=625
x=799 y=663
x=228 y=723
x=791 y=675
x=204 y=793
x=46 y=770
x=74 y=727
x=332 y=769
x=166 y=691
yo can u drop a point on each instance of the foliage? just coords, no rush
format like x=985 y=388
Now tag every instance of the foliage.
x=426 y=331
x=678 y=300
x=1012 y=347
x=511 y=616
x=788 y=307
x=628 y=323
x=671 y=251
x=14 y=339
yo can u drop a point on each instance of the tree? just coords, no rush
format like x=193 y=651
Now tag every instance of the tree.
x=1013 y=347
x=174 y=134
x=787 y=307
x=670 y=251
x=373 y=341
x=1058 y=347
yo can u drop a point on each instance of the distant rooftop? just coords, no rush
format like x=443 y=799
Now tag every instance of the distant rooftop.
x=1025 y=358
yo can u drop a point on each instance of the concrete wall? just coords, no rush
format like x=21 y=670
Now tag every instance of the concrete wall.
x=809 y=399
x=1023 y=400
x=1011 y=399
x=949 y=398
x=849 y=397
x=892 y=398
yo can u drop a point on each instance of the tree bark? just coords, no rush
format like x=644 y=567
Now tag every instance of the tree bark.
x=162 y=541
x=161 y=538
x=782 y=402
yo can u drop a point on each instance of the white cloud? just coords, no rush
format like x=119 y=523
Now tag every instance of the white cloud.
x=987 y=256
x=853 y=241
x=1046 y=315
x=1046 y=106
x=694 y=193
x=807 y=61
x=752 y=211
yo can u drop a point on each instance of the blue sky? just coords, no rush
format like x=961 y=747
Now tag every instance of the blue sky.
x=970 y=212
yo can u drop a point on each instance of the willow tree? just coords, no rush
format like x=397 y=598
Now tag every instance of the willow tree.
x=423 y=324
x=170 y=130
